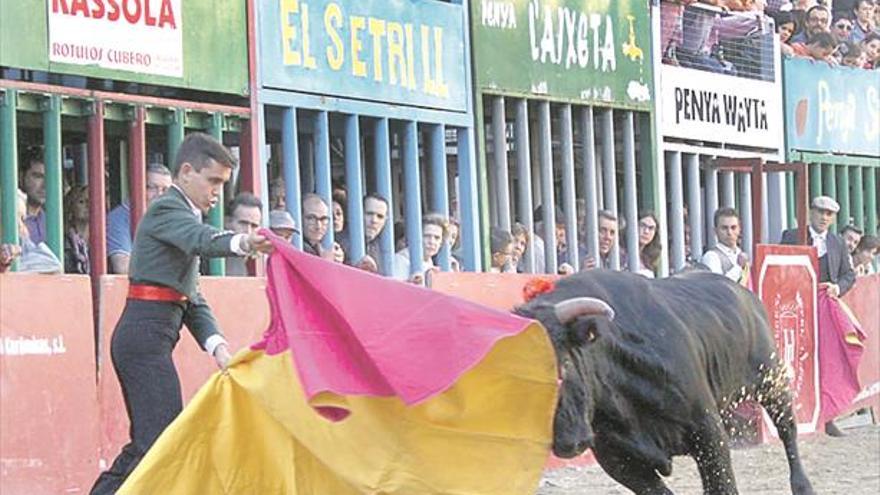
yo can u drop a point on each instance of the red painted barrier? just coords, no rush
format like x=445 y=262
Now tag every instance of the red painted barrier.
x=48 y=403
x=242 y=310
x=786 y=280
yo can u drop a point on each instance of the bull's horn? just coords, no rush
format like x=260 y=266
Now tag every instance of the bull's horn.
x=572 y=308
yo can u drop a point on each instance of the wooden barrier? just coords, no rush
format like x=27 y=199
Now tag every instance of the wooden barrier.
x=242 y=310
x=48 y=402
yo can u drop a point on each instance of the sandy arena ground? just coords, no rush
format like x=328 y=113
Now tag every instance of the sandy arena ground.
x=848 y=466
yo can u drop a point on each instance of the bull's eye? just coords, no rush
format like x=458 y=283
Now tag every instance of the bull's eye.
x=591 y=335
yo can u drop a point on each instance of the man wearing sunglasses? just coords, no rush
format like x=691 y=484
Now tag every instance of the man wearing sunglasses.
x=842 y=28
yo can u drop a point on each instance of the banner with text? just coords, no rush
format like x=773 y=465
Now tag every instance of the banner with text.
x=831 y=109
x=139 y=36
x=391 y=51
x=703 y=106
x=594 y=51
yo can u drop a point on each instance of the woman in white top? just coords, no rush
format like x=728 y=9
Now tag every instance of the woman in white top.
x=434 y=234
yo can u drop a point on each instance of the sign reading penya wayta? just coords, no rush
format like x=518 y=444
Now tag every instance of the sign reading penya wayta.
x=577 y=50
x=718 y=108
x=394 y=51
x=144 y=36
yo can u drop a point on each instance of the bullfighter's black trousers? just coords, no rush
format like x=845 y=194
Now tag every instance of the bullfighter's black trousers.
x=141 y=348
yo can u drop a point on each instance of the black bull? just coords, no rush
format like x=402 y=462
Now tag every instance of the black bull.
x=650 y=367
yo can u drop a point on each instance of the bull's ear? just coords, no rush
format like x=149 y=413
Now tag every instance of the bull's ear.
x=586 y=330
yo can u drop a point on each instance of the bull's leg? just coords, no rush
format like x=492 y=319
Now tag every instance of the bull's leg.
x=629 y=472
x=775 y=396
x=710 y=448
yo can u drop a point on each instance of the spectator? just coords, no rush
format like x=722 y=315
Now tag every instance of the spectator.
x=863 y=16
x=818 y=20
x=649 y=244
x=338 y=212
x=726 y=258
x=375 y=216
x=501 y=243
x=453 y=239
x=119 y=219
x=863 y=256
x=282 y=224
x=785 y=28
x=563 y=267
x=76 y=236
x=520 y=246
x=434 y=234
x=871 y=49
x=697 y=27
x=851 y=55
x=316 y=220
x=608 y=232
x=35 y=257
x=245 y=216
x=851 y=236
x=835 y=269
x=33 y=181
x=277 y=194
x=821 y=47
x=842 y=28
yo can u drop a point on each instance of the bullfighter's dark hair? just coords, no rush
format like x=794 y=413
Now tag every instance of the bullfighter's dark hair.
x=198 y=149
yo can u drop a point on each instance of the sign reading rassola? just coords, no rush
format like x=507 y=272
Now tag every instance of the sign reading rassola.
x=832 y=109
x=144 y=36
x=393 y=51
x=579 y=50
x=718 y=108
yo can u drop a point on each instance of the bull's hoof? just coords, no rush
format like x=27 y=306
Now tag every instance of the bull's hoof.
x=832 y=430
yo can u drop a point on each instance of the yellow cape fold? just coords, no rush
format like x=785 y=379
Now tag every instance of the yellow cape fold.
x=252 y=431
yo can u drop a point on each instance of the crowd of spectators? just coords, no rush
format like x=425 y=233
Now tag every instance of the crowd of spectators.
x=846 y=32
x=735 y=36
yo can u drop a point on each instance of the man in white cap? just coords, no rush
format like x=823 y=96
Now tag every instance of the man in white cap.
x=835 y=268
x=282 y=224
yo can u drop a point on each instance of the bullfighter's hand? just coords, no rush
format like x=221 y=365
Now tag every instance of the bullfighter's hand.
x=222 y=356
x=256 y=243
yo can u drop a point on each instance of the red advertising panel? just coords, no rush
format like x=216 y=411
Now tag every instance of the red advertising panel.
x=787 y=277
x=48 y=404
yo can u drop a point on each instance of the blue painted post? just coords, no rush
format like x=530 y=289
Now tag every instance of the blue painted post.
x=695 y=216
x=568 y=187
x=499 y=152
x=323 y=177
x=711 y=177
x=524 y=174
x=470 y=225
x=727 y=189
x=610 y=175
x=745 y=188
x=548 y=201
x=412 y=196
x=290 y=166
x=630 y=195
x=591 y=184
x=439 y=187
x=676 y=212
x=385 y=189
x=353 y=182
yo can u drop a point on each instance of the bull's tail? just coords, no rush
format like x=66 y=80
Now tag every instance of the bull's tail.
x=774 y=394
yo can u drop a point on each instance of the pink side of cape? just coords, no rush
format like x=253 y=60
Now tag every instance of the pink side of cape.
x=356 y=333
x=838 y=359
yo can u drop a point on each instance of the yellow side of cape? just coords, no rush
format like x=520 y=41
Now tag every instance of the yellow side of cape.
x=251 y=431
